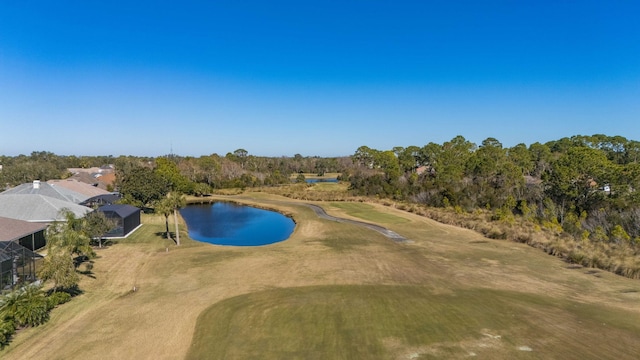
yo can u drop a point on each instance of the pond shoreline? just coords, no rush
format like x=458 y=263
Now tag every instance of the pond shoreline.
x=230 y=223
x=320 y=212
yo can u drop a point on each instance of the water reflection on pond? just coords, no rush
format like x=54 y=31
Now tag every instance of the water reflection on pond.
x=225 y=223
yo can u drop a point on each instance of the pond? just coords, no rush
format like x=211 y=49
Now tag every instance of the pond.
x=315 y=180
x=226 y=223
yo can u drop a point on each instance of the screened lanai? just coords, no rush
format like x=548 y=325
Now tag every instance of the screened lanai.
x=17 y=265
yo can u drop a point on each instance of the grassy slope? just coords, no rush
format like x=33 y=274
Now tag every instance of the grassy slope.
x=342 y=291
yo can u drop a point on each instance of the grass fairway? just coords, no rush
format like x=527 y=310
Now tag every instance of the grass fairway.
x=368 y=213
x=338 y=291
x=384 y=322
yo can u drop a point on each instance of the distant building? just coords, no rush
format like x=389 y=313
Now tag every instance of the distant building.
x=80 y=187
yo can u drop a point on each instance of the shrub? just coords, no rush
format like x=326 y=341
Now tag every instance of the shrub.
x=7 y=329
x=496 y=233
x=58 y=298
x=25 y=307
x=33 y=308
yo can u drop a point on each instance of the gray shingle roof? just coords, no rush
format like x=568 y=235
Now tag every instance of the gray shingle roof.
x=37 y=208
x=56 y=192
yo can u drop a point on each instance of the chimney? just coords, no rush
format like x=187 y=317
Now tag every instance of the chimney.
x=36 y=184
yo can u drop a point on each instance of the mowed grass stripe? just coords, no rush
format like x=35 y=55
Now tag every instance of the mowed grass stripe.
x=369 y=213
x=384 y=322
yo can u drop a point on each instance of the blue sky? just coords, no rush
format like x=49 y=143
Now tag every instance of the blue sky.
x=312 y=77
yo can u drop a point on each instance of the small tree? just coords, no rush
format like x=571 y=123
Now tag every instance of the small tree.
x=96 y=224
x=59 y=267
x=64 y=240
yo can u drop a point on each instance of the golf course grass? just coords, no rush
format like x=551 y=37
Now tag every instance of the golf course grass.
x=366 y=212
x=380 y=322
x=338 y=291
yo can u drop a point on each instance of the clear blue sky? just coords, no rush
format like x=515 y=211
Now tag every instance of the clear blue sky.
x=312 y=77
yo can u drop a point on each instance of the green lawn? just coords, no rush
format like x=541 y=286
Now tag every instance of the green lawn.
x=387 y=322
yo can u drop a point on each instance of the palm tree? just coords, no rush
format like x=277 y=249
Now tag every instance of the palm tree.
x=26 y=306
x=177 y=201
x=171 y=203
x=34 y=308
x=164 y=207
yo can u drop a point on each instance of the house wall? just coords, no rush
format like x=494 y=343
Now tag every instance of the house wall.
x=131 y=222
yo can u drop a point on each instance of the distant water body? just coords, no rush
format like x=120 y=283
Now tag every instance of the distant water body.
x=226 y=223
x=312 y=181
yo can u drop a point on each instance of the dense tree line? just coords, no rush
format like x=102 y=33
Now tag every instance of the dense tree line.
x=588 y=186
x=189 y=175
x=44 y=165
x=143 y=182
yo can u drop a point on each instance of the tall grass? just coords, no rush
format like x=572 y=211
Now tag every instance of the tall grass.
x=619 y=258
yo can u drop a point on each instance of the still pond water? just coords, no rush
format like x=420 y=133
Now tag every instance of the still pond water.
x=225 y=223
x=313 y=181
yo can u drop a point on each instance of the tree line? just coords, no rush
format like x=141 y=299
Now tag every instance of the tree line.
x=583 y=185
x=587 y=186
x=142 y=182
x=44 y=165
x=193 y=175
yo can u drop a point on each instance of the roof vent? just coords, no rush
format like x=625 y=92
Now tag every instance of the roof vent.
x=36 y=184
